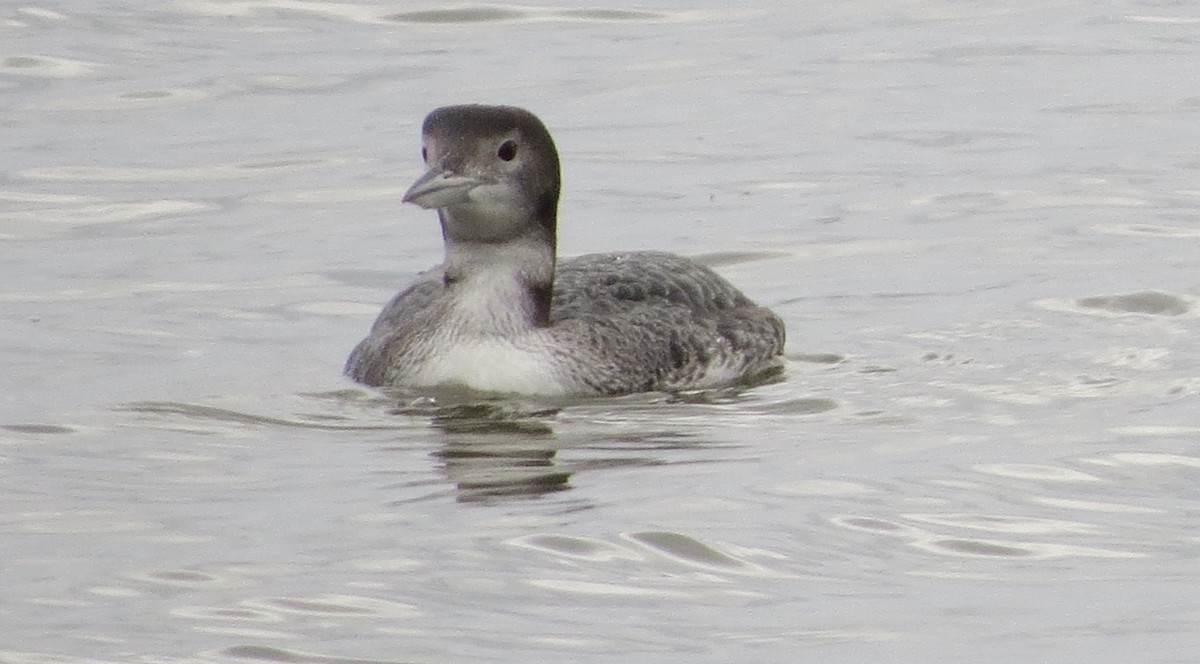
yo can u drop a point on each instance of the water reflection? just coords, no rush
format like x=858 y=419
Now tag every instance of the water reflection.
x=488 y=450
x=488 y=453
x=505 y=449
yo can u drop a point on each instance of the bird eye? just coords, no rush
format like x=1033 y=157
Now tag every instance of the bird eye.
x=424 y=154
x=507 y=151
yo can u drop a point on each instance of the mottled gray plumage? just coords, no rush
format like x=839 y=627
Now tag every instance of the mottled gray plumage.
x=499 y=315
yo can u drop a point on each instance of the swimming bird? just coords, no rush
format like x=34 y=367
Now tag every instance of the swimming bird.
x=501 y=315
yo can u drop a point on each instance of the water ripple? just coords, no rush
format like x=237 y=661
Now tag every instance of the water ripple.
x=1035 y=472
x=231 y=171
x=64 y=522
x=50 y=220
x=282 y=656
x=360 y=13
x=43 y=66
x=1094 y=506
x=132 y=99
x=185 y=578
x=224 y=613
x=40 y=14
x=687 y=550
x=609 y=590
x=578 y=548
x=116 y=289
x=1001 y=523
x=984 y=548
x=493 y=13
x=875 y=525
x=1152 y=303
x=1148 y=230
x=40 y=429
x=819 y=487
x=335 y=605
x=1149 y=459
x=211 y=413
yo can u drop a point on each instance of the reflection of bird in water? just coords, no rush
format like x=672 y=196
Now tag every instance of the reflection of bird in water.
x=492 y=454
x=499 y=315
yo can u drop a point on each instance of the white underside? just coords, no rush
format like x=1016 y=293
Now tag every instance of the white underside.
x=490 y=365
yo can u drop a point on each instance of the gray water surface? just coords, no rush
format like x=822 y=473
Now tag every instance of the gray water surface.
x=980 y=221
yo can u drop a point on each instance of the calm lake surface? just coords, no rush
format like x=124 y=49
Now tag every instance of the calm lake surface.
x=980 y=221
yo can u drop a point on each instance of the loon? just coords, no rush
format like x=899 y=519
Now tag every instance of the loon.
x=499 y=316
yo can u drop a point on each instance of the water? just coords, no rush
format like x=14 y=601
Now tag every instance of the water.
x=979 y=222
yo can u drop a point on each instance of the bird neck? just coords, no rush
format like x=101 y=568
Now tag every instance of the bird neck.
x=500 y=288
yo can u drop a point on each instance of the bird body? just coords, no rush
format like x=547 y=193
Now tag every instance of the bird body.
x=500 y=314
